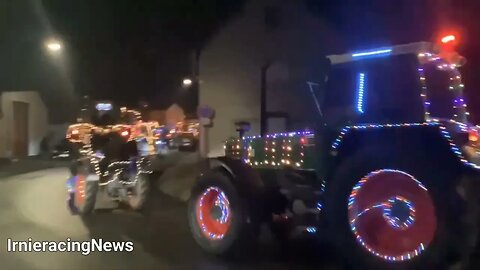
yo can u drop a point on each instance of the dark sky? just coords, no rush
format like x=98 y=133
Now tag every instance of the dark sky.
x=130 y=50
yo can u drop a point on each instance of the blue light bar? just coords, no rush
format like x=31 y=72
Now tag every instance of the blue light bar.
x=373 y=53
x=360 y=92
x=104 y=107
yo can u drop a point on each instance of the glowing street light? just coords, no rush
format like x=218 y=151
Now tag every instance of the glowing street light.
x=187 y=82
x=54 y=45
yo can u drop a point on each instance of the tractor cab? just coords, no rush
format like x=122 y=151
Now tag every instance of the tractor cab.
x=393 y=85
x=415 y=84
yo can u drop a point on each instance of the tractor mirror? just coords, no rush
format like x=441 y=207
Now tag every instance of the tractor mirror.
x=242 y=127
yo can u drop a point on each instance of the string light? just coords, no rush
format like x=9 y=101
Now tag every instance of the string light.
x=383 y=52
x=360 y=91
x=395 y=221
x=443 y=130
x=85 y=132
x=278 y=149
x=460 y=108
x=424 y=94
x=275 y=135
x=319 y=206
x=455 y=149
x=386 y=208
x=221 y=201
x=347 y=129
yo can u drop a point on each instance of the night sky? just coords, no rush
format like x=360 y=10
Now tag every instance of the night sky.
x=130 y=51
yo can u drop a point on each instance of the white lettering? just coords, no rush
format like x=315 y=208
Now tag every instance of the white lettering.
x=86 y=248
x=107 y=246
x=83 y=247
x=97 y=244
x=129 y=246
x=44 y=245
x=22 y=246
x=37 y=246
x=52 y=247
x=118 y=246
x=62 y=246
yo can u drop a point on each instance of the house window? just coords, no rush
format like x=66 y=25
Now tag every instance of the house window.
x=272 y=17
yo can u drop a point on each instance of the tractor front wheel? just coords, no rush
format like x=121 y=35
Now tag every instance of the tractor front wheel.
x=219 y=218
x=140 y=192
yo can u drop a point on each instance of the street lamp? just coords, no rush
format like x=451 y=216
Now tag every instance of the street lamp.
x=53 y=45
x=187 y=82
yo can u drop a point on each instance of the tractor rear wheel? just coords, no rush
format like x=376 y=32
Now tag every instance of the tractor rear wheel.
x=85 y=195
x=387 y=213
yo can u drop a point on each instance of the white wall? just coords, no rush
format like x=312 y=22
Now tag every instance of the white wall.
x=230 y=66
x=37 y=122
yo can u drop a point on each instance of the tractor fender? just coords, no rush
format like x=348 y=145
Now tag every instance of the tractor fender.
x=247 y=182
x=244 y=177
x=419 y=141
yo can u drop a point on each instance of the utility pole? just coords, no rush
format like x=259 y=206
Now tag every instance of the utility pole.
x=263 y=100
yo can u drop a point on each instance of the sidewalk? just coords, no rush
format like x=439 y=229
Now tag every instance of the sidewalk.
x=27 y=165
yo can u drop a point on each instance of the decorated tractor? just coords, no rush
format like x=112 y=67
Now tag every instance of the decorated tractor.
x=387 y=175
x=114 y=152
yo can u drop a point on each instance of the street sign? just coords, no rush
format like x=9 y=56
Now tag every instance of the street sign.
x=205 y=111
x=205 y=121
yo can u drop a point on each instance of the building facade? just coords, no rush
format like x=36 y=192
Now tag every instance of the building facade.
x=169 y=117
x=23 y=122
x=264 y=56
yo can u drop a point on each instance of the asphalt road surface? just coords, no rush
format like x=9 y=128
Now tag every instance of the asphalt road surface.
x=33 y=206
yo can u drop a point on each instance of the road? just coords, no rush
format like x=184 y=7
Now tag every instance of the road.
x=33 y=206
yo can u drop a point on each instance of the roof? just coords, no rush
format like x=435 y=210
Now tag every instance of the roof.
x=411 y=48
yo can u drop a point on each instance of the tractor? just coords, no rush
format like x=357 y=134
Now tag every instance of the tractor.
x=388 y=174
x=114 y=152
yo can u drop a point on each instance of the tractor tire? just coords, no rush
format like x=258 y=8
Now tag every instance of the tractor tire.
x=85 y=195
x=141 y=192
x=389 y=213
x=220 y=219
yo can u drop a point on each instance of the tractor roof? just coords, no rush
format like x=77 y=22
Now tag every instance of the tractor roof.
x=411 y=48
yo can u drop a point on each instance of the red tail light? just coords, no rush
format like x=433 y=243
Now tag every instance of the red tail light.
x=125 y=133
x=473 y=135
x=448 y=44
x=447 y=39
x=73 y=135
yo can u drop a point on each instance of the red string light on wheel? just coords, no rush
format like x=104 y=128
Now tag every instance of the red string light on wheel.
x=214 y=213
x=392 y=215
x=80 y=185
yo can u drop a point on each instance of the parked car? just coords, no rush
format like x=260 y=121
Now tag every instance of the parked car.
x=187 y=142
x=63 y=150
